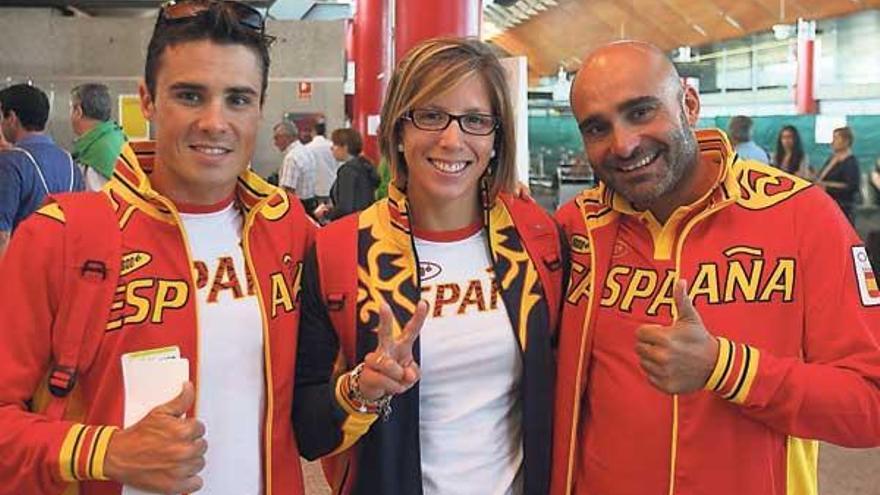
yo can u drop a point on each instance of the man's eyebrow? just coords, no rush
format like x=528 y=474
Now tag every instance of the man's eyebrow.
x=242 y=90
x=188 y=86
x=634 y=102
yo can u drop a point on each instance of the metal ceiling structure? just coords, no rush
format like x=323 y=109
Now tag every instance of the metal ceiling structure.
x=556 y=33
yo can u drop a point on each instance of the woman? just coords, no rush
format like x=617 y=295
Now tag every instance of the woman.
x=840 y=176
x=448 y=254
x=789 y=155
x=356 y=180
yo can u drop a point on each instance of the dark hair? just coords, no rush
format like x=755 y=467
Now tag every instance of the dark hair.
x=29 y=103
x=321 y=128
x=797 y=153
x=94 y=99
x=349 y=138
x=740 y=128
x=216 y=24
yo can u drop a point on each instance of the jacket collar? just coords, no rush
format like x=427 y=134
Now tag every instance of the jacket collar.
x=400 y=211
x=132 y=184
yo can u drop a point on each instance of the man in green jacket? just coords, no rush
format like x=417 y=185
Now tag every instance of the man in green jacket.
x=99 y=139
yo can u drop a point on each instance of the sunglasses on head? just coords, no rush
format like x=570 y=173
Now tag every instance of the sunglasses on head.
x=183 y=10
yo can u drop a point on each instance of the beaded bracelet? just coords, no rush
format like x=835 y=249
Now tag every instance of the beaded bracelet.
x=380 y=406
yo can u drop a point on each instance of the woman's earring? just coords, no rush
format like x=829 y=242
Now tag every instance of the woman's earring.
x=400 y=147
x=492 y=155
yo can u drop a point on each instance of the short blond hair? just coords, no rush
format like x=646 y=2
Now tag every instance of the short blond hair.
x=432 y=68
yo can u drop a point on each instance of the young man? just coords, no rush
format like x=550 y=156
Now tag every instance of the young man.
x=33 y=166
x=211 y=257
x=720 y=311
x=99 y=140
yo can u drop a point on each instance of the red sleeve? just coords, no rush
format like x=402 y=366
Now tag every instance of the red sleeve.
x=567 y=215
x=39 y=455
x=832 y=393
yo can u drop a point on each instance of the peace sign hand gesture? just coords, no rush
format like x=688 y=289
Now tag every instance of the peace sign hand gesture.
x=391 y=369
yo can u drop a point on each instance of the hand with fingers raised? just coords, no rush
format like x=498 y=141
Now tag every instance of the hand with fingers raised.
x=390 y=369
x=163 y=452
x=679 y=358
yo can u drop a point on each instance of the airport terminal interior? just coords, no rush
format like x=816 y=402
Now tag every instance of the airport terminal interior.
x=808 y=65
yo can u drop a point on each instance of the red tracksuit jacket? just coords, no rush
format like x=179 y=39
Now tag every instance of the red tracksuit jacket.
x=776 y=272
x=40 y=456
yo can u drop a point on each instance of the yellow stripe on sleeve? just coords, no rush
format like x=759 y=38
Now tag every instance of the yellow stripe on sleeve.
x=724 y=355
x=751 y=371
x=66 y=454
x=100 y=453
x=356 y=424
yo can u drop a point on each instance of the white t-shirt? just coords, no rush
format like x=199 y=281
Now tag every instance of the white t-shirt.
x=93 y=180
x=230 y=396
x=469 y=393
x=325 y=164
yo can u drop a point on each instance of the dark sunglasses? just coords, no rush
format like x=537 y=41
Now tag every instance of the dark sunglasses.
x=183 y=10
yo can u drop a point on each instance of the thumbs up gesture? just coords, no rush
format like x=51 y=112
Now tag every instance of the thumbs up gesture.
x=679 y=358
x=163 y=452
x=391 y=369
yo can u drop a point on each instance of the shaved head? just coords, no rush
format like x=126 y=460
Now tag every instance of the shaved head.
x=636 y=116
x=607 y=64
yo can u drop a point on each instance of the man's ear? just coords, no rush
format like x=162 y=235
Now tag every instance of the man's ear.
x=148 y=106
x=691 y=104
x=12 y=117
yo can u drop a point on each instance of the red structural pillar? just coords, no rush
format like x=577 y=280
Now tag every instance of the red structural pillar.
x=804 y=96
x=371 y=40
x=349 y=61
x=416 y=21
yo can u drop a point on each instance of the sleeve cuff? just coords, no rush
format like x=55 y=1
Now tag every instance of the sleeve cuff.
x=356 y=423
x=83 y=452
x=354 y=411
x=734 y=371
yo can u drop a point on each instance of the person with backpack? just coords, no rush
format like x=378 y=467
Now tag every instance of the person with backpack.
x=34 y=166
x=149 y=329
x=440 y=302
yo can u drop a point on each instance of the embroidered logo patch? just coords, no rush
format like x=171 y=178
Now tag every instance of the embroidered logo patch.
x=580 y=244
x=868 y=290
x=429 y=270
x=134 y=260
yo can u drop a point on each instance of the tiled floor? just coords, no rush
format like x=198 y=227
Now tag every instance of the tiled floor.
x=841 y=472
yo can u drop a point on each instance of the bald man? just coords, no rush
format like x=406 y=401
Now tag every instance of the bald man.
x=720 y=311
